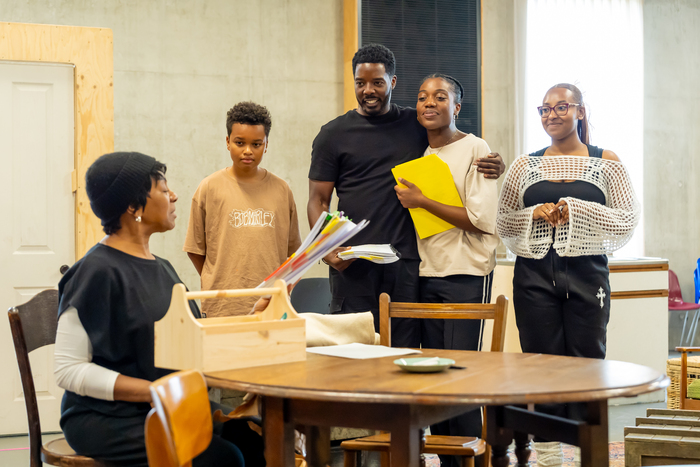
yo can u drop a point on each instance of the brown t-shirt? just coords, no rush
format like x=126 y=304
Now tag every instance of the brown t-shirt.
x=245 y=230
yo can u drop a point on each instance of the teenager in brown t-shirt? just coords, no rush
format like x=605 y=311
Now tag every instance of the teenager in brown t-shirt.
x=243 y=219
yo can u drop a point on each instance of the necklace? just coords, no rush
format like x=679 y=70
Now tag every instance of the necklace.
x=448 y=142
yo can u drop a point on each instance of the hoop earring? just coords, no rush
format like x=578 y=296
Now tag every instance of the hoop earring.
x=138 y=219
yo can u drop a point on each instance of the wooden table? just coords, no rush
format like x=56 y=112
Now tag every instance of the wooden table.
x=326 y=391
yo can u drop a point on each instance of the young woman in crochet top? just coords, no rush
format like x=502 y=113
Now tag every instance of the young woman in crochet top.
x=561 y=210
x=569 y=133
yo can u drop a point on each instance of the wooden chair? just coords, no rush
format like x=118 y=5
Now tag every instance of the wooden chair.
x=33 y=325
x=179 y=427
x=465 y=447
x=685 y=402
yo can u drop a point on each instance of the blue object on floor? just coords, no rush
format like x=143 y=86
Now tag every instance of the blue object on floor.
x=696 y=277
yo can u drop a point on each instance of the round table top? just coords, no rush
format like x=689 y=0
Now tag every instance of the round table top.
x=490 y=378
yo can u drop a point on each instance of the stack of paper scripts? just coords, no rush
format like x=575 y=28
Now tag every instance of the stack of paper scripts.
x=330 y=231
x=380 y=254
x=432 y=175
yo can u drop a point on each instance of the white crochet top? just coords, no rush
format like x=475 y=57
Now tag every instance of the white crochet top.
x=592 y=228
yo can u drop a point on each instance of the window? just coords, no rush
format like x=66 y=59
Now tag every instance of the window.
x=598 y=46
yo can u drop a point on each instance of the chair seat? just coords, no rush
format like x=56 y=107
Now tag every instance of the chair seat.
x=682 y=306
x=445 y=445
x=58 y=452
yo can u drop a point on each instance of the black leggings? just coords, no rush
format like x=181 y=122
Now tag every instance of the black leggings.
x=458 y=335
x=357 y=289
x=562 y=307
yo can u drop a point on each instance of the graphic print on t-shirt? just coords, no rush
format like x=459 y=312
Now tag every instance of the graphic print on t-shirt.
x=251 y=218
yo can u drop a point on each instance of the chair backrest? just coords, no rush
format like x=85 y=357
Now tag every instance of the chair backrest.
x=33 y=325
x=696 y=278
x=179 y=427
x=495 y=311
x=312 y=294
x=674 y=288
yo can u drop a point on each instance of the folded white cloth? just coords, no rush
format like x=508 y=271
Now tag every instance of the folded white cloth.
x=348 y=328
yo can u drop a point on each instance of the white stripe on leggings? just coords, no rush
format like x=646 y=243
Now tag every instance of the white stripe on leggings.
x=484 y=298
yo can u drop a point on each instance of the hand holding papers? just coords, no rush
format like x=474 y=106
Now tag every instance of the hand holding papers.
x=380 y=254
x=329 y=232
x=432 y=175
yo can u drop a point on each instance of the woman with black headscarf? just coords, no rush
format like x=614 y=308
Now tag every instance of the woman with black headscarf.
x=109 y=302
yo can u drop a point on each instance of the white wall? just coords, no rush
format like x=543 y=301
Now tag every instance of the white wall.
x=498 y=65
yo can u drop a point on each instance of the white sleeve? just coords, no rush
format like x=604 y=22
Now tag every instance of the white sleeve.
x=523 y=235
x=73 y=367
x=595 y=229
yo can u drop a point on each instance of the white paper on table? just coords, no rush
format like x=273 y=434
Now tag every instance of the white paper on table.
x=361 y=351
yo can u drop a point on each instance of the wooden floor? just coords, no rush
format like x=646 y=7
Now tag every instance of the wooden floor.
x=13 y=452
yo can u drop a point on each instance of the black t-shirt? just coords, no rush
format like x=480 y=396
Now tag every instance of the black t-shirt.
x=357 y=153
x=119 y=297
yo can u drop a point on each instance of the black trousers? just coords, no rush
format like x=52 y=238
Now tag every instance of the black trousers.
x=456 y=335
x=357 y=289
x=121 y=440
x=562 y=307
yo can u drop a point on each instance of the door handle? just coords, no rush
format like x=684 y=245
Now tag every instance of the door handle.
x=63 y=269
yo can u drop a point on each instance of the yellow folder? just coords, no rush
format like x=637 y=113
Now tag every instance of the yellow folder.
x=432 y=175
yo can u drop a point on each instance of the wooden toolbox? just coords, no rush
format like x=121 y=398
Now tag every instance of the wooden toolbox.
x=277 y=335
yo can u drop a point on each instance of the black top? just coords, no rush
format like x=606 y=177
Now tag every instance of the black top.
x=357 y=153
x=593 y=151
x=118 y=297
x=551 y=192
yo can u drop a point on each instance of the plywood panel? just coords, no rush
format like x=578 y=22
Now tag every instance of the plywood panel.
x=350 y=45
x=90 y=50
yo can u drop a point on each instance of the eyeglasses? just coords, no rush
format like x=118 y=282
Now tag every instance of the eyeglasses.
x=559 y=109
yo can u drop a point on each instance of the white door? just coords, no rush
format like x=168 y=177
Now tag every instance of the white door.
x=37 y=205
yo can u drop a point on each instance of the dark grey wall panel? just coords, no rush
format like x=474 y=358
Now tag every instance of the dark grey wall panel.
x=430 y=36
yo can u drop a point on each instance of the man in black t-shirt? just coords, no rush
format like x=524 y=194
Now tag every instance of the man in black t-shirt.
x=354 y=155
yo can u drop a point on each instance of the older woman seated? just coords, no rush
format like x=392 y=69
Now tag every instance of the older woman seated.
x=109 y=301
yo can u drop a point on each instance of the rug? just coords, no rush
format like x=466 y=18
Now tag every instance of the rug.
x=617 y=456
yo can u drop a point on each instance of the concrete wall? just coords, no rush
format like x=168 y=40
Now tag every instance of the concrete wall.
x=498 y=65
x=180 y=65
x=672 y=135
